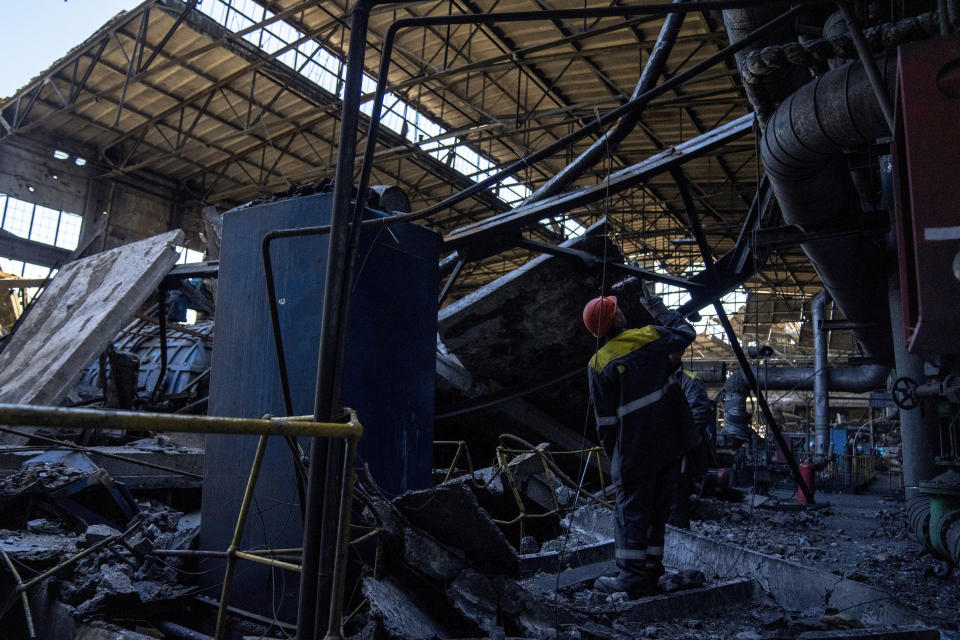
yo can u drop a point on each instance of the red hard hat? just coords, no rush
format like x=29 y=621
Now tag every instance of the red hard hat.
x=598 y=315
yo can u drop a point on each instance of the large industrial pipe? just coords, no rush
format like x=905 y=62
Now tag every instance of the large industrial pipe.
x=737 y=418
x=821 y=397
x=802 y=150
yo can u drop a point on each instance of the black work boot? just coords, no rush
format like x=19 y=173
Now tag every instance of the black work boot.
x=635 y=585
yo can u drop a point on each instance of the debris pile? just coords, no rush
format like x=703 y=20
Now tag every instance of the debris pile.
x=445 y=569
x=864 y=538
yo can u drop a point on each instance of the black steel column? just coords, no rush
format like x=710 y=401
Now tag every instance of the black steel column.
x=320 y=526
x=697 y=230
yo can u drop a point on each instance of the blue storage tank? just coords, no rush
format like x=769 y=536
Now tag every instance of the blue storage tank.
x=389 y=374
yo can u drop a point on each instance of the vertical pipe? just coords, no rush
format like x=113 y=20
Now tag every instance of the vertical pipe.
x=869 y=63
x=319 y=525
x=162 y=321
x=609 y=141
x=917 y=436
x=449 y=284
x=821 y=399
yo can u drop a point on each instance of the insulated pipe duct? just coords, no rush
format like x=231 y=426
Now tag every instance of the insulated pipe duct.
x=772 y=89
x=821 y=399
x=737 y=418
x=802 y=150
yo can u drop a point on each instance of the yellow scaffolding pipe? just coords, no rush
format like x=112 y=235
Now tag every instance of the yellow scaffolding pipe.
x=22 y=415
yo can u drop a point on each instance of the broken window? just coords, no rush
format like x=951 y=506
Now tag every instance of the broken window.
x=41 y=224
x=709 y=324
x=189 y=256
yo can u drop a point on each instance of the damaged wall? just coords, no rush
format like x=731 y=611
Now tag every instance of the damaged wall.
x=139 y=207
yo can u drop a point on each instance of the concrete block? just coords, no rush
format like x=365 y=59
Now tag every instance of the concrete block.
x=474 y=596
x=98 y=533
x=432 y=559
x=547 y=581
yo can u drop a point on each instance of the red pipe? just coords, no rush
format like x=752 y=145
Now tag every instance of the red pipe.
x=806 y=472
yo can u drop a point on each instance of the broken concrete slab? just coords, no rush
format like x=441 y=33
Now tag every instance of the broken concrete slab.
x=454 y=381
x=78 y=316
x=107 y=632
x=573 y=556
x=529 y=612
x=689 y=603
x=473 y=595
x=595 y=520
x=572 y=576
x=401 y=617
x=519 y=328
x=910 y=632
x=134 y=475
x=37 y=547
x=98 y=533
x=452 y=515
x=430 y=558
x=792 y=585
x=42 y=477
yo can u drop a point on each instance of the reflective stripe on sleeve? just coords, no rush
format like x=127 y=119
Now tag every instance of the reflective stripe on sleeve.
x=654 y=551
x=631 y=554
x=607 y=421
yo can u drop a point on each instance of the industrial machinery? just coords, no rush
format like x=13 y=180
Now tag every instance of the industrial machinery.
x=824 y=149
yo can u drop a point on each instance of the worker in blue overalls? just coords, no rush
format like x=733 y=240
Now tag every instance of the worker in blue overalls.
x=645 y=427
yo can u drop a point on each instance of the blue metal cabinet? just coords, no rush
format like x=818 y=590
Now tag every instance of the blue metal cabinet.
x=389 y=373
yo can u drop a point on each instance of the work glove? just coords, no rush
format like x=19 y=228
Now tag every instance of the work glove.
x=652 y=302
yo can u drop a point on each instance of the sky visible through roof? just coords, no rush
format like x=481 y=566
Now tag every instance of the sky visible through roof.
x=36 y=34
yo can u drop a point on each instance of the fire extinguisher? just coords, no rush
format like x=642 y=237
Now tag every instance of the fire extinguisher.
x=806 y=472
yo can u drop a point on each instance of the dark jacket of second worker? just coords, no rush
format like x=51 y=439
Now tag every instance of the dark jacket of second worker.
x=700 y=404
x=643 y=419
